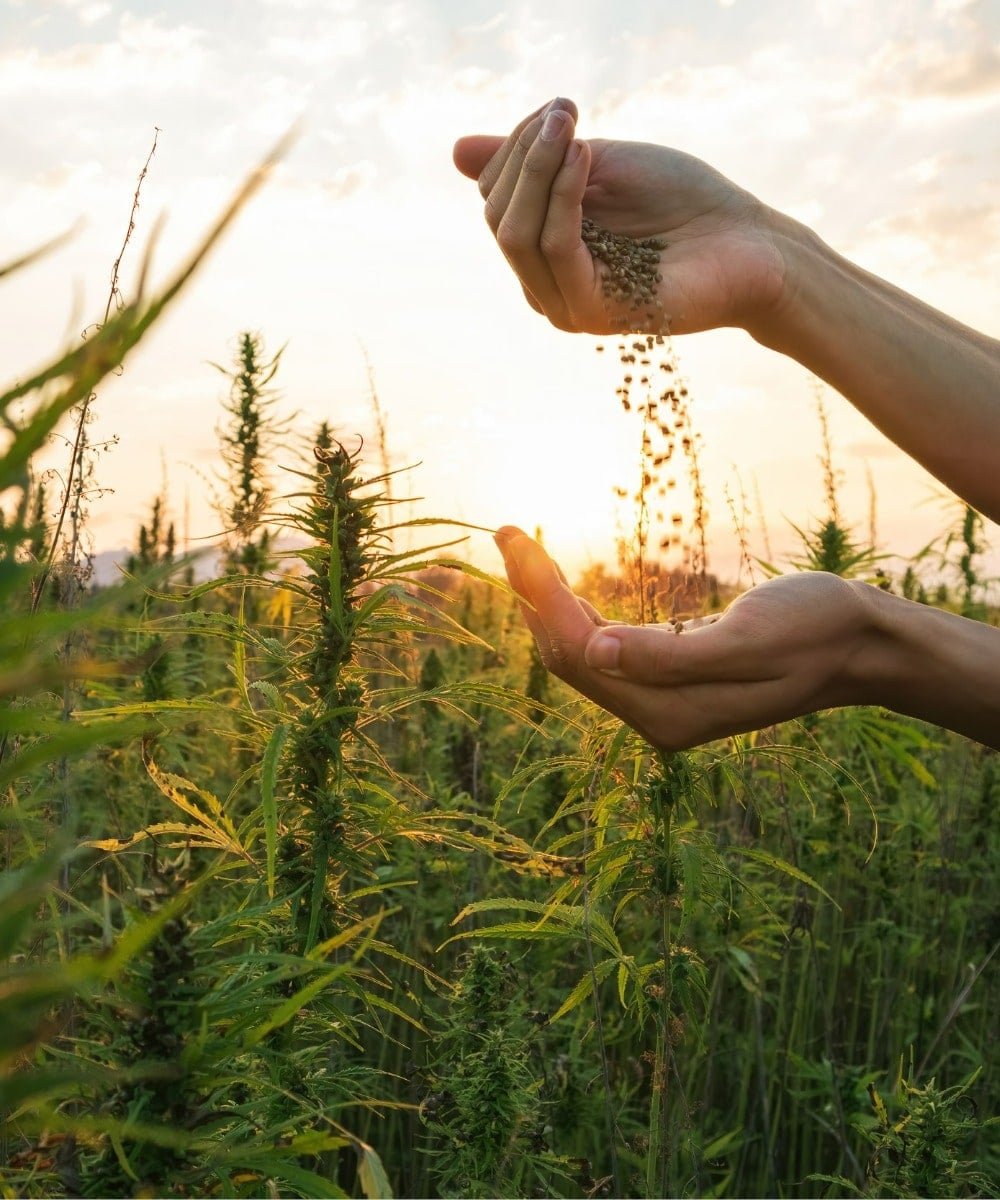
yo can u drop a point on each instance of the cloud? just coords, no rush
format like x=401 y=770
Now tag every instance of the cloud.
x=473 y=79
x=326 y=6
x=87 y=12
x=484 y=27
x=952 y=231
x=347 y=39
x=955 y=57
x=929 y=169
x=141 y=56
x=349 y=180
x=975 y=73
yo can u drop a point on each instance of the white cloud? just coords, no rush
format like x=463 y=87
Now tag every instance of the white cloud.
x=474 y=79
x=347 y=180
x=326 y=6
x=490 y=25
x=142 y=56
x=950 y=8
x=964 y=231
x=90 y=14
x=322 y=47
x=926 y=170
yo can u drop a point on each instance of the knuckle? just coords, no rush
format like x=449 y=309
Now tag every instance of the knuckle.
x=554 y=245
x=525 y=140
x=493 y=214
x=510 y=237
x=536 y=166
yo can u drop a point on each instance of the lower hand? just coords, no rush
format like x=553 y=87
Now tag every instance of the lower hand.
x=790 y=646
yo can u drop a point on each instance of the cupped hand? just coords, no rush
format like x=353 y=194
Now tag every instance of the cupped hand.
x=790 y=646
x=721 y=265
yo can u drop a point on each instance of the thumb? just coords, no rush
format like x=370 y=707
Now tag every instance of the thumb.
x=471 y=154
x=659 y=655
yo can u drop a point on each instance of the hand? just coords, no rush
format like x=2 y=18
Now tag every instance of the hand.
x=790 y=646
x=720 y=267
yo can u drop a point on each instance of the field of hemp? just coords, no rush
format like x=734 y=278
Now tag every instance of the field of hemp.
x=315 y=884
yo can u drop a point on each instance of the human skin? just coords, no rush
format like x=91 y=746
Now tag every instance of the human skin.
x=800 y=642
x=793 y=645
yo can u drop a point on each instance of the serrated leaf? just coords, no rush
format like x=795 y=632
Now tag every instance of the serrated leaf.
x=218 y=828
x=786 y=868
x=583 y=988
x=555 y=920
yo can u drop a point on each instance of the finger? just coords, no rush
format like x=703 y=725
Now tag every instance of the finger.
x=559 y=621
x=513 y=149
x=503 y=537
x=592 y=612
x=527 y=173
x=660 y=655
x=574 y=276
x=471 y=154
x=518 y=137
x=570 y=264
x=517 y=209
x=532 y=301
x=505 y=534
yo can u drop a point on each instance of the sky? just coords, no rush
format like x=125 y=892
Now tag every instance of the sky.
x=366 y=257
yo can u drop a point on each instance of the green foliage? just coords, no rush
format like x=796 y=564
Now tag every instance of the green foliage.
x=918 y=1147
x=248 y=442
x=918 y=1151
x=830 y=547
x=483 y=1109
x=354 y=899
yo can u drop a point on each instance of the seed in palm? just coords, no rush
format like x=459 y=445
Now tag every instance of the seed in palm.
x=629 y=275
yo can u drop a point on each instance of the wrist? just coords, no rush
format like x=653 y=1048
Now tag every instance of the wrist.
x=803 y=261
x=927 y=663
x=876 y=670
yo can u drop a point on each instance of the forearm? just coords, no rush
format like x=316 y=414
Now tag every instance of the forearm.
x=931 y=384
x=930 y=664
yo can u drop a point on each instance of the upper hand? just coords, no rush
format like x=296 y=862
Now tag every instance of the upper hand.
x=720 y=265
x=788 y=647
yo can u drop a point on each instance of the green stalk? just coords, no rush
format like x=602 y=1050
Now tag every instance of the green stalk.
x=596 y=992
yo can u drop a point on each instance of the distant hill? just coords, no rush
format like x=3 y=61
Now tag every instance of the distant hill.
x=108 y=565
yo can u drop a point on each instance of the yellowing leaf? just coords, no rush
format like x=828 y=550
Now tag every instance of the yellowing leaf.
x=371 y=1174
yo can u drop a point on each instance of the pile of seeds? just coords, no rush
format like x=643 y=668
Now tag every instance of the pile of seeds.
x=630 y=275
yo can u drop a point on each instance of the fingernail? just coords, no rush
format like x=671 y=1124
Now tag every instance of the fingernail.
x=554 y=123
x=603 y=652
x=572 y=153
